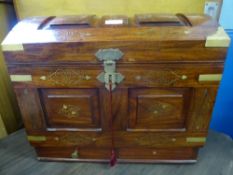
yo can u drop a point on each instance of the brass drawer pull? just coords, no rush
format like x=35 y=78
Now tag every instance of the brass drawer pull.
x=75 y=154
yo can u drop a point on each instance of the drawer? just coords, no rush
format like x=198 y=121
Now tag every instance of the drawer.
x=73 y=154
x=178 y=155
x=158 y=154
x=144 y=75
x=71 y=108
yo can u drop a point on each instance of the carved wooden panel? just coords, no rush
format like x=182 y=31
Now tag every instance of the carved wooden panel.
x=201 y=109
x=30 y=107
x=158 y=109
x=73 y=108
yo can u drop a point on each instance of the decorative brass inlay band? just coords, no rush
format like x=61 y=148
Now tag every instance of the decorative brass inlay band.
x=21 y=78
x=69 y=111
x=66 y=77
x=195 y=139
x=210 y=77
x=36 y=138
x=151 y=77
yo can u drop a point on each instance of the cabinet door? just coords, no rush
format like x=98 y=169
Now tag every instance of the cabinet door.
x=71 y=108
x=158 y=109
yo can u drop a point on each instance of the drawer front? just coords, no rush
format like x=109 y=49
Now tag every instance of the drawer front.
x=123 y=155
x=73 y=154
x=71 y=108
x=158 y=154
x=158 y=75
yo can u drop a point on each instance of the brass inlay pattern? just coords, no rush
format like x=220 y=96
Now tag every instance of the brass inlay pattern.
x=155 y=77
x=66 y=77
x=69 y=111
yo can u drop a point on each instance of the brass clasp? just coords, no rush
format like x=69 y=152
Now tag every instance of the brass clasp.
x=109 y=57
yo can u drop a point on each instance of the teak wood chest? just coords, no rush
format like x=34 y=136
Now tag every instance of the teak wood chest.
x=138 y=89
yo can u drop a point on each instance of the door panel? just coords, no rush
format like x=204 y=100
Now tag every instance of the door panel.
x=71 y=108
x=158 y=109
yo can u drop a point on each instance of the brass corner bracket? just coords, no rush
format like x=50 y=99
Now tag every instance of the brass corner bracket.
x=219 y=39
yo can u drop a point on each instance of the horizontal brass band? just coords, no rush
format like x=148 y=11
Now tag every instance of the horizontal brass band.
x=196 y=139
x=20 y=78
x=210 y=77
x=36 y=138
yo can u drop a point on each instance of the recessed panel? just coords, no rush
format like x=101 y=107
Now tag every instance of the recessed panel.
x=72 y=108
x=158 y=109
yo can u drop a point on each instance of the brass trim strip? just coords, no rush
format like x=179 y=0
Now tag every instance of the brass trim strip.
x=219 y=39
x=36 y=138
x=196 y=139
x=20 y=78
x=210 y=77
x=12 y=47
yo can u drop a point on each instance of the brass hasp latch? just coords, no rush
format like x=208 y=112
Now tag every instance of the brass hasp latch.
x=109 y=57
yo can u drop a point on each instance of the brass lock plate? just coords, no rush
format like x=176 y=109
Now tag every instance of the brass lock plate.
x=109 y=57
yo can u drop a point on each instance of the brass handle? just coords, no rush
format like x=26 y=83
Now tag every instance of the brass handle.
x=75 y=154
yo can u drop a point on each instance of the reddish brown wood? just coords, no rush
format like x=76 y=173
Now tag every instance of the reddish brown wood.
x=156 y=108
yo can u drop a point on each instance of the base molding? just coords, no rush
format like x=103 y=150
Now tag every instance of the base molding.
x=118 y=160
x=124 y=155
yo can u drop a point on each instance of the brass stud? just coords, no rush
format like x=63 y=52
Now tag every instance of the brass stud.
x=155 y=112
x=184 y=77
x=173 y=139
x=87 y=77
x=65 y=107
x=164 y=106
x=94 y=139
x=56 y=138
x=138 y=77
x=154 y=152
x=187 y=32
x=43 y=77
x=73 y=112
